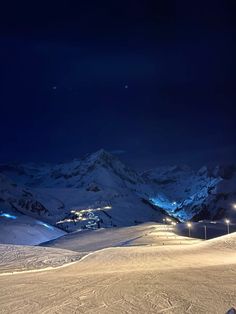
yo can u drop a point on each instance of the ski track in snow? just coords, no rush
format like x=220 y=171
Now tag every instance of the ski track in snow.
x=79 y=259
x=193 y=279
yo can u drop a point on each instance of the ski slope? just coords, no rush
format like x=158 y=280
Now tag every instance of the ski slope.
x=140 y=278
x=25 y=230
x=146 y=234
x=20 y=258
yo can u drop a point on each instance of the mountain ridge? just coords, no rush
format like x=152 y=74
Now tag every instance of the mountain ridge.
x=77 y=194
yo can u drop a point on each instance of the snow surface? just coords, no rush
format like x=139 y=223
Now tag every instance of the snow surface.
x=16 y=228
x=142 y=235
x=14 y=258
x=99 y=191
x=144 y=278
x=51 y=192
x=208 y=193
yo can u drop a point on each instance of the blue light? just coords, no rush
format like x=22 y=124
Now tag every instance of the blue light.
x=45 y=225
x=164 y=203
x=168 y=205
x=8 y=216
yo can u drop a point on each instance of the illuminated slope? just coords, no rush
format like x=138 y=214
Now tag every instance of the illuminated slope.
x=205 y=194
x=138 y=279
x=142 y=235
x=15 y=258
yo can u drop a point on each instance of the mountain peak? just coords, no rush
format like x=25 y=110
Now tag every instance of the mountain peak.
x=101 y=154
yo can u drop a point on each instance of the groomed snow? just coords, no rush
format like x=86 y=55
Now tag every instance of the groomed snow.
x=25 y=230
x=144 y=278
x=18 y=258
x=142 y=235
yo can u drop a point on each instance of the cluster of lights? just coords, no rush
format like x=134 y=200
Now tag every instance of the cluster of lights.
x=85 y=215
x=65 y=220
x=189 y=224
x=173 y=223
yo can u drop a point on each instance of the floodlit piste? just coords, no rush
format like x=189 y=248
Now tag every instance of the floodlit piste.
x=117 y=163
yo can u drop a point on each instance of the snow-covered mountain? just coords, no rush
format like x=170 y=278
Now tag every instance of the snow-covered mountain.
x=100 y=191
x=209 y=193
x=96 y=191
x=15 y=197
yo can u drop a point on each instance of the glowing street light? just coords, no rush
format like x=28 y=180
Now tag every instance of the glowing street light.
x=227 y=221
x=189 y=225
x=234 y=205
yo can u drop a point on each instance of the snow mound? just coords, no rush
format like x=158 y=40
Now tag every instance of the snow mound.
x=16 y=228
x=21 y=258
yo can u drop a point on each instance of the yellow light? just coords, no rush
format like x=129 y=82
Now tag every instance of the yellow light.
x=63 y=221
x=189 y=224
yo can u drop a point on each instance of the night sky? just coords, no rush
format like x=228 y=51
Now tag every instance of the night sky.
x=151 y=81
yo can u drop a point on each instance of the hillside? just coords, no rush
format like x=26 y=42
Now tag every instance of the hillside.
x=209 y=193
x=141 y=278
x=96 y=191
x=100 y=191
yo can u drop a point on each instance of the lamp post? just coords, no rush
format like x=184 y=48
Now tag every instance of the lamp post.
x=189 y=225
x=227 y=221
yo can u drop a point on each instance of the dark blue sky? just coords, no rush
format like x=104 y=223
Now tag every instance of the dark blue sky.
x=65 y=67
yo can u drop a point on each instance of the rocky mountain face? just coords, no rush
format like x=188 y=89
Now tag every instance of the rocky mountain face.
x=209 y=193
x=20 y=198
x=100 y=191
x=96 y=191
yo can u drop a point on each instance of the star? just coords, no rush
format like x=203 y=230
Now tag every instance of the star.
x=126 y=86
